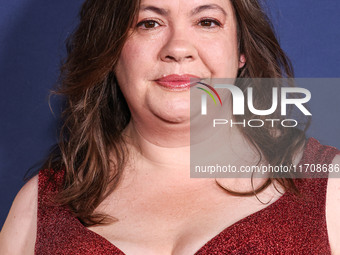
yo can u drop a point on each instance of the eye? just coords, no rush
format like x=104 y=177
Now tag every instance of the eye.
x=209 y=23
x=148 y=24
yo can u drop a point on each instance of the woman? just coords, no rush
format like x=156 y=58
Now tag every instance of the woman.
x=120 y=180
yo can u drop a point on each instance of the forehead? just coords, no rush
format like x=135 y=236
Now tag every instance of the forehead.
x=189 y=7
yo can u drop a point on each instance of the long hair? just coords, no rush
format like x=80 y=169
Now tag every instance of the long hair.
x=96 y=112
x=265 y=59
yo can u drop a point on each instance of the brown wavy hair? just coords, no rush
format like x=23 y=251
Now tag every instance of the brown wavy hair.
x=96 y=112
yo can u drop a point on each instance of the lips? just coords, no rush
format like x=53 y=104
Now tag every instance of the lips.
x=178 y=82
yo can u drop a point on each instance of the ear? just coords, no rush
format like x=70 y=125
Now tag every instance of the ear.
x=242 y=61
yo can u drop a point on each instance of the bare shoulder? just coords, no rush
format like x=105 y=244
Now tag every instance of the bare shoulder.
x=18 y=234
x=333 y=209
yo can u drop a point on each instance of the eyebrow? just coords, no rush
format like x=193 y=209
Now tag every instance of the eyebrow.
x=155 y=9
x=197 y=10
x=208 y=7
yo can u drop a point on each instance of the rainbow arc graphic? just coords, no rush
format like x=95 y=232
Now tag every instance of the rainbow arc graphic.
x=209 y=93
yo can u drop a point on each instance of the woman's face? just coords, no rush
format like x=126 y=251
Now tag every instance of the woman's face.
x=172 y=41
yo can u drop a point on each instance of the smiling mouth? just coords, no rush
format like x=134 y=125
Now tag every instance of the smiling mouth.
x=177 y=82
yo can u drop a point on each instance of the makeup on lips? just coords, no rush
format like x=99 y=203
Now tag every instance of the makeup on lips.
x=178 y=82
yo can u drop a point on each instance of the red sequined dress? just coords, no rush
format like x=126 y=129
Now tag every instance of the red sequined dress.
x=290 y=225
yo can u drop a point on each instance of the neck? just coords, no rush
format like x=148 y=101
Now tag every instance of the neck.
x=159 y=147
x=172 y=150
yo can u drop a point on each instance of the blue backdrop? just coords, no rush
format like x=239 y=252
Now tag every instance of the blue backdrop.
x=32 y=35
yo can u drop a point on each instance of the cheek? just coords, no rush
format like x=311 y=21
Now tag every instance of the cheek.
x=128 y=59
x=136 y=53
x=132 y=70
x=221 y=57
x=124 y=69
x=131 y=67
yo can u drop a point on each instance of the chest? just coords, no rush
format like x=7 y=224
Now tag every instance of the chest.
x=286 y=226
x=173 y=220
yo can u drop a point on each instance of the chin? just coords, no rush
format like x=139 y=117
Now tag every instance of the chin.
x=173 y=109
x=175 y=118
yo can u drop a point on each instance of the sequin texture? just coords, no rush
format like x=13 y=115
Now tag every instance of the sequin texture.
x=291 y=225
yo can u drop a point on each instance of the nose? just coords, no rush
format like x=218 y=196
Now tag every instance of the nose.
x=178 y=48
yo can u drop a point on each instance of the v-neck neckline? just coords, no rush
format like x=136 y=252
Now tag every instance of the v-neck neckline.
x=214 y=238
x=286 y=194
